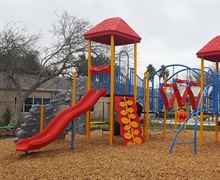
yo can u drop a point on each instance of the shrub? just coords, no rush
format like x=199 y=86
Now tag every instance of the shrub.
x=7 y=116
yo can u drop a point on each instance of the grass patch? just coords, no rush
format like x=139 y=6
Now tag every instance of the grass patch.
x=155 y=124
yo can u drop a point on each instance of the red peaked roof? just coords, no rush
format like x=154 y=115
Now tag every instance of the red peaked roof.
x=122 y=32
x=211 y=51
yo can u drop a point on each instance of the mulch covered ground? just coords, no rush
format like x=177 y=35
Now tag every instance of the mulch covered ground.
x=98 y=160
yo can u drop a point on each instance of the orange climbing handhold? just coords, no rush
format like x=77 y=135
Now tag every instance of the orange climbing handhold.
x=181 y=115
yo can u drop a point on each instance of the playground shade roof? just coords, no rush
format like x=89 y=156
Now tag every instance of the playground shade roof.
x=123 y=33
x=211 y=51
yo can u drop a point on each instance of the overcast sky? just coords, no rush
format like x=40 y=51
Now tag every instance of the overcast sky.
x=172 y=32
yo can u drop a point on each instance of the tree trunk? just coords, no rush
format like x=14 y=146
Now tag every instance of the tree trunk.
x=16 y=116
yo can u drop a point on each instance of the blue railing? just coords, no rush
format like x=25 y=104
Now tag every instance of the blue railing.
x=101 y=80
x=156 y=101
x=140 y=89
x=123 y=85
x=139 y=86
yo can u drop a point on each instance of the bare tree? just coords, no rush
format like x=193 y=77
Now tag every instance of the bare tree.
x=17 y=47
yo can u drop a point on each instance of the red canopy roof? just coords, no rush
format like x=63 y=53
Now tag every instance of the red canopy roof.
x=122 y=32
x=211 y=51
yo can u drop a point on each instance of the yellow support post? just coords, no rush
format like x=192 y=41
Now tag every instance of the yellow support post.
x=201 y=105
x=216 y=117
x=41 y=118
x=135 y=72
x=74 y=97
x=145 y=104
x=176 y=109
x=88 y=88
x=146 y=119
x=165 y=113
x=188 y=114
x=74 y=89
x=112 y=90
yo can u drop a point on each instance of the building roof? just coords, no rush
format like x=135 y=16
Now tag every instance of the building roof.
x=55 y=84
x=211 y=51
x=123 y=33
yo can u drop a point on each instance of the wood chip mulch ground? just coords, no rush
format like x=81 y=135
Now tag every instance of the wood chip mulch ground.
x=98 y=160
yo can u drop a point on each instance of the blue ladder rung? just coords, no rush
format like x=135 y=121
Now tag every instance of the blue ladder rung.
x=187 y=142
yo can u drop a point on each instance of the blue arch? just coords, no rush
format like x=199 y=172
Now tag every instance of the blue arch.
x=181 y=65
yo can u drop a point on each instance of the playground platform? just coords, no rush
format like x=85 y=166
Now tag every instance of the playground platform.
x=98 y=125
x=207 y=122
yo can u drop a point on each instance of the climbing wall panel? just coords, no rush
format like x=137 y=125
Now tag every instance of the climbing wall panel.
x=129 y=121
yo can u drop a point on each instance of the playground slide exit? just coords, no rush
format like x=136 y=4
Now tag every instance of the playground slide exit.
x=59 y=123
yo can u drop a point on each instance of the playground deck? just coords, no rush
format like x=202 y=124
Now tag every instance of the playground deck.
x=98 y=125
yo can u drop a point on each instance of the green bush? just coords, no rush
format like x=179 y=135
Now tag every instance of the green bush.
x=7 y=116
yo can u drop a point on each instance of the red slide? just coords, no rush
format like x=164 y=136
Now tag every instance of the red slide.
x=59 y=123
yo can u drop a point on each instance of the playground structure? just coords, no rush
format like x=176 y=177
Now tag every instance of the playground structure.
x=208 y=80
x=109 y=81
x=203 y=104
x=119 y=33
x=181 y=97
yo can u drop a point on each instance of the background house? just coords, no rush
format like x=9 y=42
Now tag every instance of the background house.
x=42 y=96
